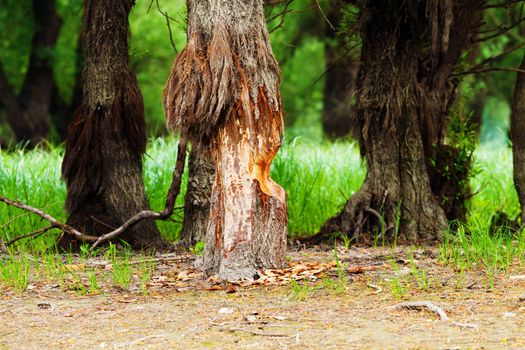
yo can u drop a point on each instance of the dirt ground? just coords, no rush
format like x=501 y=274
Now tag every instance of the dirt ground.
x=352 y=306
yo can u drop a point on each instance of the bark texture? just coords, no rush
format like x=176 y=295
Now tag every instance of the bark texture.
x=28 y=112
x=224 y=86
x=409 y=52
x=517 y=129
x=197 y=200
x=102 y=164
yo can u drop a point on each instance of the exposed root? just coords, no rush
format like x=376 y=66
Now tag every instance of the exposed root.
x=419 y=305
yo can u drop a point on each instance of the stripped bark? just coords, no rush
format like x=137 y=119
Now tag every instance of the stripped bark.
x=224 y=87
x=102 y=164
x=517 y=127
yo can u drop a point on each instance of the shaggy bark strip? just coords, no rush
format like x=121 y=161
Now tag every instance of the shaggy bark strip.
x=224 y=87
x=102 y=165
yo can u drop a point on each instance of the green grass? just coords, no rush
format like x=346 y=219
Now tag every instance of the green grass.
x=318 y=177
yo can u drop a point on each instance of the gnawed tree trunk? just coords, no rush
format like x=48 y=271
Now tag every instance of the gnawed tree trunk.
x=28 y=112
x=517 y=128
x=103 y=160
x=224 y=86
x=197 y=201
x=340 y=77
x=397 y=185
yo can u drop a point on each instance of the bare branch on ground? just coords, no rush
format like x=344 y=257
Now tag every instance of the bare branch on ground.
x=171 y=197
x=419 y=305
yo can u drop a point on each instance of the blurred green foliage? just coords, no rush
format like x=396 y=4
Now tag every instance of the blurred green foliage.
x=298 y=42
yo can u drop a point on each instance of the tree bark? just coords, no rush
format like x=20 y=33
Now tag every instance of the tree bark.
x=102 y=164
x=28 y=112
x=197 y=200
x=517 y=127
x=224 y=86
x=340 y=78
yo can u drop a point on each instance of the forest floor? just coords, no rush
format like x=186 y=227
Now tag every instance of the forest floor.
x=343 y=299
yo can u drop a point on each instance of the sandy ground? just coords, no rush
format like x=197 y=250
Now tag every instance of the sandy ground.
x=358 y=314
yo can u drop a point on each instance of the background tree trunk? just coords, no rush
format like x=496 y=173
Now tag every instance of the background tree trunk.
x=62 y=112
x=517 y=128
x=395 y=201
x=224 y=85
x=197 y=200
x=28 y=112
x=340 y=78
x=103 y=161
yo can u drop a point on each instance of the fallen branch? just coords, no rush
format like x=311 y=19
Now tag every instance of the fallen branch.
x=418 y=305
x=31 y=234
x=54 y=222
x=264 y=334
x=172 y=195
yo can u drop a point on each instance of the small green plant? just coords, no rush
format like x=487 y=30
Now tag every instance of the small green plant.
x=301 y=291
x=420 y=276
x=398 y=283
x=14 y=272
x=146 y=270
x=198 y=249
x=347 y=241
x=94 y=287
x=122 y=273
x=339 y=285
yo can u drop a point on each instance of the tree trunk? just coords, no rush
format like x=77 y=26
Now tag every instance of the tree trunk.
x=197 y=200
x=62 y=112
x=517 y=127
x=224 y=86
x=28 y=113
x=103 y=161
x=341 y=74
x=395 y=201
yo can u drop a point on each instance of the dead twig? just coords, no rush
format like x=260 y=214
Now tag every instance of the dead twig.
x=54 y=222
x=31 y=234
x=264 y=334
x=168 y=18
x=418 y=305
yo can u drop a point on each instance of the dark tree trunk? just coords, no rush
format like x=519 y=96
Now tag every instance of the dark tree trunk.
x=397 y=187
x=28 y=113
x=62 y=112
x=197 y=200
x=224 y=85
x=103 y=161
x=517 y=128
x=340 y=77
x=405 y=90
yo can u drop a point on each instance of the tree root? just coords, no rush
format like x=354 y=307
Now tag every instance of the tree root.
x=418 y=305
